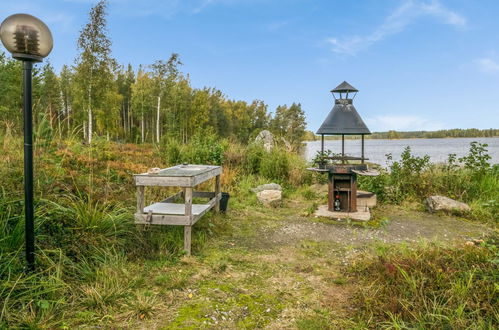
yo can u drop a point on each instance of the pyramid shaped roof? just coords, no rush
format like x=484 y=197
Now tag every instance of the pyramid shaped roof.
x=344 y=87
x=343 y=119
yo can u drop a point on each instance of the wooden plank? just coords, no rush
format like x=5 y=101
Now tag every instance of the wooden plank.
x=141 y=201
x=210 y=205
x=206 y=176
x=164 y=181
x=345 y=158
x=217 y=193
x=366 y=172
x=191 y=180
x=203 y=194
x=162 y=219
x=175 y=208
x=188 y=170
x=173 y=198
x=187 y=239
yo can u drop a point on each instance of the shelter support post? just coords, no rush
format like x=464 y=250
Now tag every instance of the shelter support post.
x=343 y=146
x=362 y=149
x=322 y=145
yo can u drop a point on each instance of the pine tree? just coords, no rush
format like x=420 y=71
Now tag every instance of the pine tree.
x=50 y=96
x=11 y=93
x=290 y=124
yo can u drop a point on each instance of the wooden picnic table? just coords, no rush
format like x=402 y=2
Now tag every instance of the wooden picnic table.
x=170 y=212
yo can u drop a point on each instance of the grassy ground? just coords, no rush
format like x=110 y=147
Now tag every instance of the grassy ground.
x=254 y=267
x=273 y=268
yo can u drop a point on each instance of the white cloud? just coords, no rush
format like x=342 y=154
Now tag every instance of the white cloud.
x=487 y=65
x=402 y=123
x=396 y=22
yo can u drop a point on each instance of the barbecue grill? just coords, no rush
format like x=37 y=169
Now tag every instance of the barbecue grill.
x=342 y=170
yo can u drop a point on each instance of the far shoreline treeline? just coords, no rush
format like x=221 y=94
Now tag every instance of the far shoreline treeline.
x=394 y=135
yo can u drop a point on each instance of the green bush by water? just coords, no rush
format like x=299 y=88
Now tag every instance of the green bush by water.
x=471 y=179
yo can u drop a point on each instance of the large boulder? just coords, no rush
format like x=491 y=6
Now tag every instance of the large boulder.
x=442 y=203
x=266 y=139
x=267 y=186
x=270 y=197
x=286 y=144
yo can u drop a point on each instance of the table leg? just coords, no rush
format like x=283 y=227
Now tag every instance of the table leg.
x=187 y=239
x=141 y=201
x=188 y=203
x=217 y=193
x=188 y=213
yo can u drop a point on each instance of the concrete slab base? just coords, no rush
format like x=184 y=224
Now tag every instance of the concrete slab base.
x=362 y=215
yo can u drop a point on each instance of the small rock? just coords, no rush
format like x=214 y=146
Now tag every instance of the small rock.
x=268 y=186
x=442 y=203
x=154 y=170
x=270 y=197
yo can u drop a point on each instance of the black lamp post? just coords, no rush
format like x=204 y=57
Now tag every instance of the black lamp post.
x=29 y=40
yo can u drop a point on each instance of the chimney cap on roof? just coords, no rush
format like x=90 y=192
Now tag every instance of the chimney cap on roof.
x=344 y=87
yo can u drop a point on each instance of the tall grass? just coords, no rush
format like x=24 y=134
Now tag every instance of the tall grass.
x=430 y=287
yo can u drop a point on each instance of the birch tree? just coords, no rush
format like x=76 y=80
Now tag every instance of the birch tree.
x=94 y=66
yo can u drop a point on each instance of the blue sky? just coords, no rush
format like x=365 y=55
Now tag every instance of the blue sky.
x=419 y=64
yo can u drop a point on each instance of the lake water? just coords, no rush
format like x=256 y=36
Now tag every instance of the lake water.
x=375 y=150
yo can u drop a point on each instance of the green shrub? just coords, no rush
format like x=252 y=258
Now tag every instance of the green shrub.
x=201 y=149
x=253 y=158
x=173 y=151
x=473 y=181
x=275 y=165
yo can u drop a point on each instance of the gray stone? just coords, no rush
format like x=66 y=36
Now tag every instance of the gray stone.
x=270 y=197
x=442 y=203
x=267 y=186
x=286 y=144
x=266 y=139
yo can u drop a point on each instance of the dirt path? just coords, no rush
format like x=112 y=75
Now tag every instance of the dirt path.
x=398 y=226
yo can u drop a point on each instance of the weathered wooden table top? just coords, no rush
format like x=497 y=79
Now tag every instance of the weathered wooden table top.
x=188 y=170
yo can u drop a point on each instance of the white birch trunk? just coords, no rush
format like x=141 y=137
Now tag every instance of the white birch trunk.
x=142 y=127
x=157 y=120
x=90 y=125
